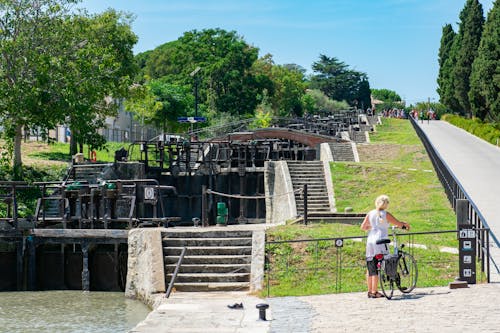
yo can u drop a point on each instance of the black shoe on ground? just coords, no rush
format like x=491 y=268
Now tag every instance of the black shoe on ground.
x=236 y=306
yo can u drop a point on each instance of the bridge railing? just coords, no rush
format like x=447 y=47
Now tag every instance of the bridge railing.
x=455 y=191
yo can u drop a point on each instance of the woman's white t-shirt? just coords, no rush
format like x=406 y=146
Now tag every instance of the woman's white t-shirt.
x=379 y=230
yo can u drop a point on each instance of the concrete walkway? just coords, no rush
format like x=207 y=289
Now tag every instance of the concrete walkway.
x=476 y=164
x=425 y=310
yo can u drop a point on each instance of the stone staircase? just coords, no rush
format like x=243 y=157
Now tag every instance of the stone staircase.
x=312 y=174
x=358 y=136
x=215 y=260
x=342 y=151
x=88 y=172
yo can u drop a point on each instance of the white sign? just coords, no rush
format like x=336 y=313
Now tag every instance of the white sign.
x=467 y=272
x=467 y=245
x=467 y=259
x=339 y=242
x=149 y=193
x=467 y=233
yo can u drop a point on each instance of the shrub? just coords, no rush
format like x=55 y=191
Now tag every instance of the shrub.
x=487 y=131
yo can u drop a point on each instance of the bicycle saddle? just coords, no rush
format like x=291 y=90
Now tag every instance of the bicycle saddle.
x=383 y=241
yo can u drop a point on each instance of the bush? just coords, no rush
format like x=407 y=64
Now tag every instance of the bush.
x=487 y=131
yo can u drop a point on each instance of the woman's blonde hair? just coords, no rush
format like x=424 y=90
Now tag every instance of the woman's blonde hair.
x=381 y=201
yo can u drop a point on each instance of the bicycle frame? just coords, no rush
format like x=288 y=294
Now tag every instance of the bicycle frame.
x=400 y=271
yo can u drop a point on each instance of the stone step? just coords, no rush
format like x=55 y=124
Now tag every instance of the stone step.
x=219 y=242
x=317 y=184
x=209 y=268
x=207 y=234
x=209 y=259
x=304 y=162
x=208 y=250
x=305 y=171
x=214 y=286
x=313 y=198
x=318 y=179
x=210 y=277
x=315 y=195
x=318 y=166
x=312 y=201
x=309 y=211
x=314 y=205
x=315 y=189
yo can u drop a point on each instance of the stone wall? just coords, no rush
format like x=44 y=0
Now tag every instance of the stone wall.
x=278 y=184
x=145 y=274
x=258 y=257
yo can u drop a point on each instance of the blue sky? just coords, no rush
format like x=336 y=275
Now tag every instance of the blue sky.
x=395 y=42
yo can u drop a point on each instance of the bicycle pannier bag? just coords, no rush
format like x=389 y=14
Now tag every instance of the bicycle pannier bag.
x=391 y=264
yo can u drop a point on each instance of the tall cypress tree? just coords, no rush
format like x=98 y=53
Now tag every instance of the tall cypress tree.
x=485 y=78
x=445 y=85
x=469 y=37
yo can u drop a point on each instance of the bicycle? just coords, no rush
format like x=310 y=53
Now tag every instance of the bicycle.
x=397 y=269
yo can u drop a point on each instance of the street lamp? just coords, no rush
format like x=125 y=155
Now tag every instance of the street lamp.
x=193 y=75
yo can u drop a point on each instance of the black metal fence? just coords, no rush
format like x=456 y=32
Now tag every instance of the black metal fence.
x=338 y=264
x=455 y=191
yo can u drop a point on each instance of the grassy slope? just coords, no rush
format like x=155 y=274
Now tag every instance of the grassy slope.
x=58 y=153
x=396 y=164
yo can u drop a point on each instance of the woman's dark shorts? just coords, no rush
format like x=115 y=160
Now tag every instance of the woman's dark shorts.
x=372 y=266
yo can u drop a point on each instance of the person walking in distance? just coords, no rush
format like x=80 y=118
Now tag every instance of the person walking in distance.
x=377 y=222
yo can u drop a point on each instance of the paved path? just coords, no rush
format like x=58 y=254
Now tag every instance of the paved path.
x=476 y=164
x=473 y=309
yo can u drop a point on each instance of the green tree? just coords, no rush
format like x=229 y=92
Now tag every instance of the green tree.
x=176 y=101
x=386 y=95
x=468 y=39
x=446 y=61
x=226 y=82
x=315 y=101
x=142 y=103
x=31 y=52
x=263 y=113
x=98 y=75
x=390 y=98
x=485 y=78
x=337 y=81
x=58 y=67
x=285 y=86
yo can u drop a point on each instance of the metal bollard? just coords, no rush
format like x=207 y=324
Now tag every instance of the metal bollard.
x=196 y=221
x=262 y=310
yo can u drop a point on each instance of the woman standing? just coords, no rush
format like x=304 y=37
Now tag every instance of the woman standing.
x=377 y=222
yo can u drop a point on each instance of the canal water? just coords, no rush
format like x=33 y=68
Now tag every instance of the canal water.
x=69 y=311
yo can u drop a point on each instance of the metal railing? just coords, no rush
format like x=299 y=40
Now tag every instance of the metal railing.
x=453 y=188
x=338 y=264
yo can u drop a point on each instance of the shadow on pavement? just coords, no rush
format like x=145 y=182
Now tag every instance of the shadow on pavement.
x=418 y=295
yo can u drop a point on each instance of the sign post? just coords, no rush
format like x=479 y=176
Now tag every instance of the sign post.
x=467 y=253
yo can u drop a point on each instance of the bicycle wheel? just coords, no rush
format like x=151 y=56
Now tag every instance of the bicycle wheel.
x=407 y=273
x=386 y=283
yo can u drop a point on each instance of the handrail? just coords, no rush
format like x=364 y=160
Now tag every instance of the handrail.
x=365 y=236
x=176 y=271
